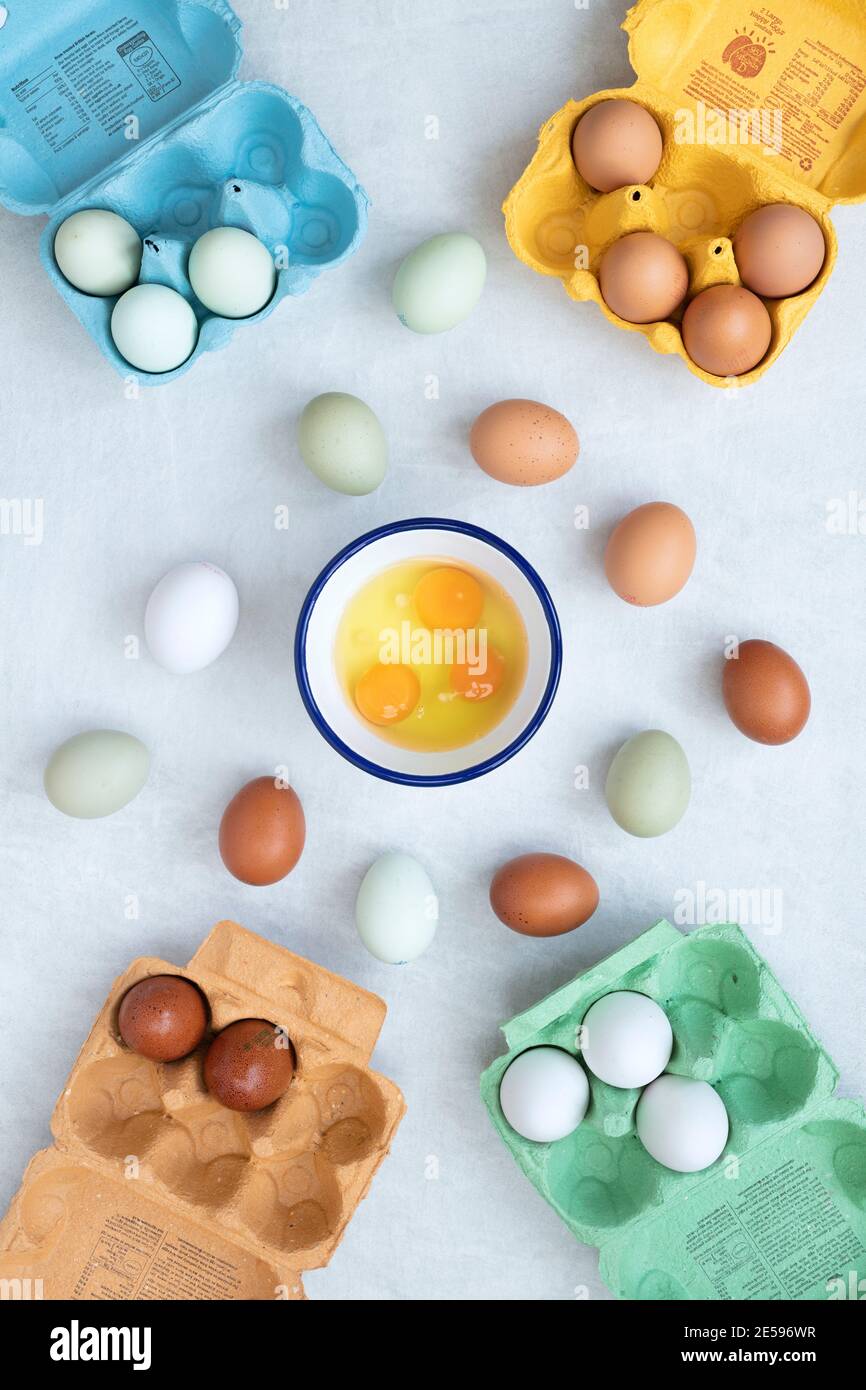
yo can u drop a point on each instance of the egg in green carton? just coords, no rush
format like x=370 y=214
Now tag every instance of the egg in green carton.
x=781 y=1212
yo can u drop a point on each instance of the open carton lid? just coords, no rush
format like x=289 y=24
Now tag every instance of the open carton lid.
x=85 y=83
x=799 y=68
x=786 y=1223
x=782 y=1207
x=73 y=1232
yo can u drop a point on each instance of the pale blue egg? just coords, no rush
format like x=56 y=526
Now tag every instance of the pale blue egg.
x=397 y=909
x=96 y=773
x=440 y=282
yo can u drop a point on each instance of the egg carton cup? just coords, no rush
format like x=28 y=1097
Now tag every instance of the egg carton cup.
x=210 y=151
x=154 y=1189
x=782 y=1213
x=703 y=189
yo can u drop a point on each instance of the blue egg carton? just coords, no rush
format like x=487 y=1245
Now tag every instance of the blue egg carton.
x=140 y=112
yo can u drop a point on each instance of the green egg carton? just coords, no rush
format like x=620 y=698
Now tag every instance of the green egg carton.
x=781 y=1215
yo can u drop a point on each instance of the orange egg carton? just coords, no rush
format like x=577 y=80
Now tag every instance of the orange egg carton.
x=153 y=1190
x=756 y=105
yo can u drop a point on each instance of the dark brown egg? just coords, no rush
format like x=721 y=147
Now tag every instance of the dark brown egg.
x=262 y=832
x=163 y=1017
x=766 y=693
x=249 y=1065
x=543 y=894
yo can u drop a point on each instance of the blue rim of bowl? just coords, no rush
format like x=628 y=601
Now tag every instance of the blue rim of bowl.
x=467 y=774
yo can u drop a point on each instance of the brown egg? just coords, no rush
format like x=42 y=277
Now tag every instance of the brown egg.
x=779 y=250
x=726 y=330
x=616 y=143
x=249 y=1065
x=643 y=278
x=523 y=443
x=766 y=693
x=543 y=895
x=162 y=1017
x=650 y=554
x=262 y=832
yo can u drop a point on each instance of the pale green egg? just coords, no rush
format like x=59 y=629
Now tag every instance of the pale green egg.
x=649 y=784
x=397 y=909
x=440 y=282
x=96 y=773
x=343 y=444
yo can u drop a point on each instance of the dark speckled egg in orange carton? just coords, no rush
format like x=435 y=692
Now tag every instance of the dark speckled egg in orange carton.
x=694 y=206
x=226 y=1171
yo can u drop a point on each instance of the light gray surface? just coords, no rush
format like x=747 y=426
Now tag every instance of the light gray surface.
x=196 y=469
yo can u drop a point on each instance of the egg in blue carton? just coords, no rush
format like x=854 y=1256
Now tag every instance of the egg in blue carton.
x=139 y=112
x=781 y=1214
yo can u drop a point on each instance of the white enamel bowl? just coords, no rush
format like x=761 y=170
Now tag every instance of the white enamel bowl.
x=341 y=580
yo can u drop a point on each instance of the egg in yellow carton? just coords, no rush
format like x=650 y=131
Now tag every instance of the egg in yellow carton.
x=218 y=1174
x=694 y=206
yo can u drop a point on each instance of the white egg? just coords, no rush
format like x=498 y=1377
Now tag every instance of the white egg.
x=154 y=328
x=98 y=252
x=682 y=1123
x=231 y=272
x=191 y=617
x=626 y=1039
x=544 y=1094
x=397 y=909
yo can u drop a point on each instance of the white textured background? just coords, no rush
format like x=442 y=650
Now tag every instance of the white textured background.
x=196 y=469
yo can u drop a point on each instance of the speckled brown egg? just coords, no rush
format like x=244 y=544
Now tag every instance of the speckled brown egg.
x=616 y=143
x=523 y=443
x=651 y=554
x=779 y=250
x=163 y=1017
x=726 y=330
x=249 y=1065
x=543 y=894
x=643 y=278
x=766 y=693
x=262 y=832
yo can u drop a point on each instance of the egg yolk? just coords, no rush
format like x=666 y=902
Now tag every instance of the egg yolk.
x=386 y=694
x=448 y=598
x=474 y=686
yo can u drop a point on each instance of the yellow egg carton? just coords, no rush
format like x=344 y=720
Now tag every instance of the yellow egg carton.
x=757 y=104
x=153 y=1190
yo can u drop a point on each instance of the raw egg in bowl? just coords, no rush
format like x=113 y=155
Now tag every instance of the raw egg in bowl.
x=428 y=652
